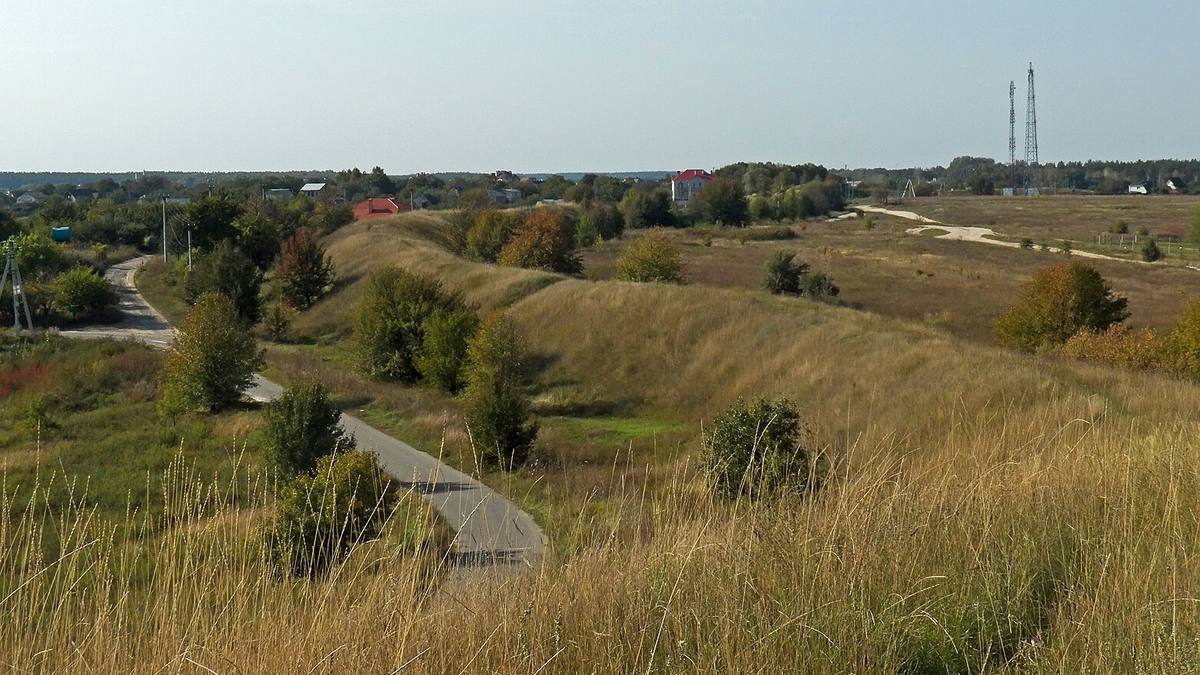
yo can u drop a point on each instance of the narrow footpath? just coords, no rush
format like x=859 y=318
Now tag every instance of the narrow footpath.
x=490 y=529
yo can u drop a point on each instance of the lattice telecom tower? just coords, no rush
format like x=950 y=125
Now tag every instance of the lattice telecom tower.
x=1031 y=143
x=1012 y=134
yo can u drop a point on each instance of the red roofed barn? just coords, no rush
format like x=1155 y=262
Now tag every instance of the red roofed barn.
x=379 y=207
x=685 y=185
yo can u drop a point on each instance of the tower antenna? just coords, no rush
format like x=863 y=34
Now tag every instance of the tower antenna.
x=1012 y=134
x=1031 y=139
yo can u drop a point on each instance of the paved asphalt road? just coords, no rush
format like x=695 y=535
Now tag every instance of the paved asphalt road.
x=491 y=530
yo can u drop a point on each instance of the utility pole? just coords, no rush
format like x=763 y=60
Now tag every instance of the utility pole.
x=189 y=232
x=19 y=299
x=1012 y=135
x=164 y=234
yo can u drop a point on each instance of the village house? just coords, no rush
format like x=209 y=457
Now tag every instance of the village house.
x=687 y=184
x=379 y=207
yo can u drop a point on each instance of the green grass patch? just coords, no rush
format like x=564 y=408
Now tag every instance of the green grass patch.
x=613 y=429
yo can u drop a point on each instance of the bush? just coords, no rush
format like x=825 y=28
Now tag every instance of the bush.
x=650 y=258
x=320 y=517
x=258 y=236
x=1150 y=251
x=389 y=327
x=1121 y=227
x=1055 y=304
x=304 y=270
x=1064 y=247
x=1118 y=345
x=1183 y=342
x=495 y=407
x=212 y=360
x=543 y=241
x=490 y=230
x=302 y=427
x=80 y=293
x=757 y=448
x=228 y=271
x=277 y=322
x=646 y=208
x=444 y=348
x=786 y=277
x=1026 y=242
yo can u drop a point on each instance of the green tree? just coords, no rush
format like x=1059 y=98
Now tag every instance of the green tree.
x=651 y=258
x=1150 y=251
x=8 y=225
x=646 y=208
x=721 y=201
x=1056 y=303
x=389 y=326
x=212 y=219
x=756 y=448
x=258 y=236
x=303 y=425
x=603 y=219
x=305 y=270
x=496 y=408
x=322 y=516
x=228 y=271
x=277 y=322
x=212 y=360
x=444 y=348
x=381 y=183
x=80 y=293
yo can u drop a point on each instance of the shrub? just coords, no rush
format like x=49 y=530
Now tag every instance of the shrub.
x=258 y=236
x=1121 y=227
x=38 y=256
x=786 y=277
x=444 y=348
x=305 y=271
x=1064 y=247
x=646 y=208
x=277 y=322
x=1150 y=251
x=302 y=427
x=543 y=241
x=228 y=271
x=1118 y=345
x=1026 y=242
x=1183 y=341
x=649 y=258
x=489 y=232
x=320 y=517
x=389 y=327
x=212 y=360
x=80 y=293
x=1055 y=304
x=756 y=448
x=495 y=406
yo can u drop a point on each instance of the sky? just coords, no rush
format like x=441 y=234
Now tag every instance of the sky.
x=560 y=85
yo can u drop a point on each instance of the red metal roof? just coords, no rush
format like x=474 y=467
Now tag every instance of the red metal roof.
x=692 y=173
x=378 y=207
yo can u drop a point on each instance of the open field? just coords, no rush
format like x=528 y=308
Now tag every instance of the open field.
x=960 y=287
x=1053 y=218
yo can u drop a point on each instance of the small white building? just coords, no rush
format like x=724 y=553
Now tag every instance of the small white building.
x=1138 y=189
x=313 y=190
x=687 y=184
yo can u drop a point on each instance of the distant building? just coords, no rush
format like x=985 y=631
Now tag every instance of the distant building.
x=81 y=194
x=687 y=184
x=379 y=207
x=512 y=195
x=1176 y=185
x=1138 y=189
x=277 y=193
x=424 y=200
x=26 y=199
x=313 y=190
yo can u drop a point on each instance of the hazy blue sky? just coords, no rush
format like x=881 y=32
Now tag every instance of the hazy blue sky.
x=558 y=85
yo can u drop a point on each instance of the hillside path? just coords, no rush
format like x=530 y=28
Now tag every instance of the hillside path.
x=490 y=530
x=982 y=235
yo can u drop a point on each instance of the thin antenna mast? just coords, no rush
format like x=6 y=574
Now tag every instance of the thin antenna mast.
x=1031 y=139
x=1012 y=134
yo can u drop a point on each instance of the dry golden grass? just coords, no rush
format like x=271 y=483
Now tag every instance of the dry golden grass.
x=985 y=512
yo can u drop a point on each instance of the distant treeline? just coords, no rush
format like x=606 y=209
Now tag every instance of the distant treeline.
x=984 y=175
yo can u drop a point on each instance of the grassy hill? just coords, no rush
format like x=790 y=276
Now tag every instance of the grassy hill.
x=986 y=510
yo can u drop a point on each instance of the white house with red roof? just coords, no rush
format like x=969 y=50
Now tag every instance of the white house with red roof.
x=686 y=184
